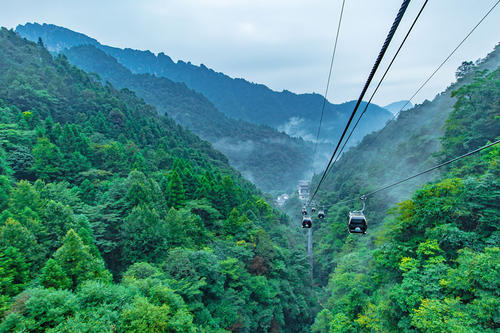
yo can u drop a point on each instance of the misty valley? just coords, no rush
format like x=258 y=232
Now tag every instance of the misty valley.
x=143 y=194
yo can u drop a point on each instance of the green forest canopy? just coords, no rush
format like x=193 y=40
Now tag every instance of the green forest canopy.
x=113 y=218
x=432 y=265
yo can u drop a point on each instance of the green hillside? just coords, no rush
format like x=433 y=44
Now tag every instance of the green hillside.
x=237 y=98
x=115 y=219
x=430 y=263
x=272 y=160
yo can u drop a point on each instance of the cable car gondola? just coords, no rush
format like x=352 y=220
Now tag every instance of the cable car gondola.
x=321 y=214
x=313 y=209
x=357 y=223
x=306 y=222
x=304 y=211
x=357 y=220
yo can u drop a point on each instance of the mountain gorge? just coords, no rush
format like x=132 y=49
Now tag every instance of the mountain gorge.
x=131 y=200
x=295 y=115
x=272 y=160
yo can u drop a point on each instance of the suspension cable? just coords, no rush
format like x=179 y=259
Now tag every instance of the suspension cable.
x=378 y=85
x=437 y=69
x=388 y=39
x=328 y=81
x=385 y=187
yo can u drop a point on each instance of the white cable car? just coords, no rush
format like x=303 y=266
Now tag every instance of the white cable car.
x=321 y=214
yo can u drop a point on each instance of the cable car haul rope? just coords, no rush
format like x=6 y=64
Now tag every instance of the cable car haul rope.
x=357 y=221
x=358 y=216
x=381 y=54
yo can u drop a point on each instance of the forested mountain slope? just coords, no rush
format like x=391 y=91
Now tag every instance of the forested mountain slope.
x=430 y=264
x=404 y=147
x=297 y=115
x=396 y=106
x=272 y=160
x=115 y=219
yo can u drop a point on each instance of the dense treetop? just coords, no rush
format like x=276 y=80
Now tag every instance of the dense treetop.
x=432 y=263
x=115 y=219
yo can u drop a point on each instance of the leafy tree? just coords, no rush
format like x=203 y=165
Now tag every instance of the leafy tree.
x=47 y=160
x=13 y=234
x=40 y=310
x=4 y=167
x=143 y=316
x=88 y=192
x=465 y=68
x=14 y=271
x=144 y=235
x=58 y=220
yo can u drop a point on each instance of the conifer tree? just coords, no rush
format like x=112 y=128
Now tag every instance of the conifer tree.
x=47 y=160
x=53 y=276
x=14 y=271
x=4 y=189
x=76 y=261
x=176 y=193
x=14 y=234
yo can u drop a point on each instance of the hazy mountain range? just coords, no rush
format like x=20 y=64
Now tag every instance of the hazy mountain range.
x=224 y=108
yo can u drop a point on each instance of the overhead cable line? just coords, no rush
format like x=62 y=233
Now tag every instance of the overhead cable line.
x=388 y=39
x=329 y=77
x=439 y=67
x=385 y=187
x=379 y=83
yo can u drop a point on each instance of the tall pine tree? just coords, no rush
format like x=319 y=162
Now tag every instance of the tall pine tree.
x=176 y=193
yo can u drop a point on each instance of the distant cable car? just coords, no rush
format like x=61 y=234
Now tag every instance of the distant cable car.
x=313 y=209
x=304 y=211
x=306 y=222
x=321 y=214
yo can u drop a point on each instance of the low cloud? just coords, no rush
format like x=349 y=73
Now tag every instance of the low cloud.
x=300 y=127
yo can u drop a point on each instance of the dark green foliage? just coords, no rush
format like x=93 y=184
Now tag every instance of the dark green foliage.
x=47 y=160
x=77 y=263
x=176 y=194
x=475 y=119
x=433 y=264
x=13 y=271
x=144 y=235
x=124 y=221
x=53 y=276
x=14 y=234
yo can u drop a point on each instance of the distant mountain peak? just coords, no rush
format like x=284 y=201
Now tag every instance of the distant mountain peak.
x=54 y=37
x=395 y=107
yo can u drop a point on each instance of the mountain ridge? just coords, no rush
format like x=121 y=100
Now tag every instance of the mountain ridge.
x=249 y=146
x=397 y=106
x=235 y=97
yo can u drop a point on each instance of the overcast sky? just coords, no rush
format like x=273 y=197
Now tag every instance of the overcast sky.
x=285 y=44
